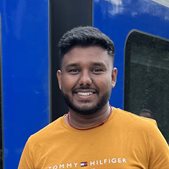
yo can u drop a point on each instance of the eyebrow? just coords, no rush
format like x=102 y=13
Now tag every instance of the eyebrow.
x=98 y=64
x=92 y=64
x=72 y=65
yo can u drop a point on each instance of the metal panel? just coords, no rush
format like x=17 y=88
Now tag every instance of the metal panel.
x=1 y=154
x=25 y=70
x=118 y=18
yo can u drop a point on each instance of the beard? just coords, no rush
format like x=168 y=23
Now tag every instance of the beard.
x=86 y=111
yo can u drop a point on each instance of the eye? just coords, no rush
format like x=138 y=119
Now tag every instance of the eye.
x=74 y=71
x=98 y=70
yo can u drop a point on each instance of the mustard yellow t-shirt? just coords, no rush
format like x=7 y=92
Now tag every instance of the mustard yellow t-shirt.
x=124 y=141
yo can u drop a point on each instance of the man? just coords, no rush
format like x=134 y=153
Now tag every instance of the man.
x=93 y=134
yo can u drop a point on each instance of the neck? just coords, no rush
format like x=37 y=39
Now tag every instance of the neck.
x=84 y=122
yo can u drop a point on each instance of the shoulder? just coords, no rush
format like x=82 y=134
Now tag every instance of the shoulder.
x=48 y=132
x=134 y=122
x=140 y=128
x=144 y=134
x=127 y=114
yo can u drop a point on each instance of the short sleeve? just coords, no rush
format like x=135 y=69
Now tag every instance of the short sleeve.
x=159 y=150
x=26 y=160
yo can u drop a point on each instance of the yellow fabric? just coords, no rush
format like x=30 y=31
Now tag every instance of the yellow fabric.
x=125 y=141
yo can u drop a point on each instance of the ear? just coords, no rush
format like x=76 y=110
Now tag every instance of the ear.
x=58 y=75
x=114 y=76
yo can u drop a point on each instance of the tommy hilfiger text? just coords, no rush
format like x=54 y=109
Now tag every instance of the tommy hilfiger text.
x=92 y=163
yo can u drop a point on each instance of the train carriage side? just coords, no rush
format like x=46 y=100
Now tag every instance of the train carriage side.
x=29 y=32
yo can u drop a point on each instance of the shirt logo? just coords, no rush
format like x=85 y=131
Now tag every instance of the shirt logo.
x=92 y=163
x=83 y=164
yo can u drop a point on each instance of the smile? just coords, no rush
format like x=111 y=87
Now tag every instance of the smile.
x=85 y=93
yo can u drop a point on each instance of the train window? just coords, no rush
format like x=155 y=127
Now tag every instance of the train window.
x=1 y=159
x=147 y=77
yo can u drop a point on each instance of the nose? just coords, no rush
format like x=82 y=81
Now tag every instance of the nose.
x=85 y=78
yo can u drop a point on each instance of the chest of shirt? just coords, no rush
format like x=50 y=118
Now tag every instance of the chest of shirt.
x=103 y=153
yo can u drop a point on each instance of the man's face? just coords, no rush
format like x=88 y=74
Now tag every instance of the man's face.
x=86 y=79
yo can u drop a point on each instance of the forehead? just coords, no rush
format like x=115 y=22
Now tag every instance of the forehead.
x=87 y=55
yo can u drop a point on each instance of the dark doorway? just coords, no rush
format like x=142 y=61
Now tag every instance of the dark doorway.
x=64 y=15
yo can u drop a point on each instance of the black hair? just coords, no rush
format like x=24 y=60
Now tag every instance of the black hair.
x=84 y=36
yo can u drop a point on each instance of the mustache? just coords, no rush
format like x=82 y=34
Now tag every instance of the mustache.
x=85 y=88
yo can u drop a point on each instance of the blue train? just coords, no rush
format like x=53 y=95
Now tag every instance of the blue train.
x=29 y=32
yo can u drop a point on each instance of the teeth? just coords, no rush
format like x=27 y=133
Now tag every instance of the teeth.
x=85 y=94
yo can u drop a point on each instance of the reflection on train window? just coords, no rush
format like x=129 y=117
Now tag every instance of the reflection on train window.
x=147 y=77
x=0 y=100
